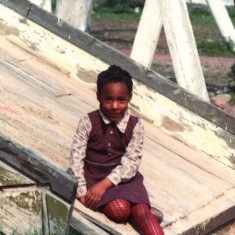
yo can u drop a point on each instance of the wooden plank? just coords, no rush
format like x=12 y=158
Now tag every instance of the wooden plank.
x=36 y=168
x=186 y=181
x=85 y=226
x=190 y=154
x=21 y=65
x=142 y=74
x=34 y=54
x=211 y=216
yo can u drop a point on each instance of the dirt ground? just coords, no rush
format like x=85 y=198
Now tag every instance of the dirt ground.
x=215 y=69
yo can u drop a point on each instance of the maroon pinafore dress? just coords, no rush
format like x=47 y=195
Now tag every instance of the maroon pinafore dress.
x=105 y=148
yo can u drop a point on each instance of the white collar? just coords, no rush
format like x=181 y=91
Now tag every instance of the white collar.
x=121 y=125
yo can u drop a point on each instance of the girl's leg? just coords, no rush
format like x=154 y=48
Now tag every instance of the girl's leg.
x=145 y=221
x=118 y=210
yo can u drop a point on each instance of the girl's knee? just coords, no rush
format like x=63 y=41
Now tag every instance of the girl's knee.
x=122 y=215
x=118 y=210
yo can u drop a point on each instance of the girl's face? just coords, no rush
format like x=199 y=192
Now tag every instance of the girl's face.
x=114 y=100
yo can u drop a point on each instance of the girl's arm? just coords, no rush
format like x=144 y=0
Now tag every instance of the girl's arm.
x=130 y=162
x=78 y=153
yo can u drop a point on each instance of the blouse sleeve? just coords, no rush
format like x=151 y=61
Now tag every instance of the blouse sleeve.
x=78 y=153
x=130 y=162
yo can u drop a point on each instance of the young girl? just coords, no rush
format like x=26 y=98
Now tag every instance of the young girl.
x=106 y=154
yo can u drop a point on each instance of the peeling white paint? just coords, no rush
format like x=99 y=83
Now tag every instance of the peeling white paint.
x=14 y=217
x=202 y=133
x=57 y=50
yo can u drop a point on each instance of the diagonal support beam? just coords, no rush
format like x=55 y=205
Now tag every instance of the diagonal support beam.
x=147 y=34
x=180 y=39
x=223 y=21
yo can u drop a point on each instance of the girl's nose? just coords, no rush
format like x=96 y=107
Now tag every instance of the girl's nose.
x=114 y=104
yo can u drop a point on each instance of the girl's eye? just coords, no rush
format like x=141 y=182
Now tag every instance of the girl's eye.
x=107 y=100
x=122 y=100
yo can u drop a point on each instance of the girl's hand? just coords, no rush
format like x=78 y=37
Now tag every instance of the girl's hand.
x=95 y=193
x=82 y=200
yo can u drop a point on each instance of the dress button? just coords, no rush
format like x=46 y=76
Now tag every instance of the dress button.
x=109 y=154
x=109 y=144
x=111 y=132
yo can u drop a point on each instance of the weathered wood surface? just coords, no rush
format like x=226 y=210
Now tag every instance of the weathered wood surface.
x=110 y=56
x=40 y=106
x=84 y=226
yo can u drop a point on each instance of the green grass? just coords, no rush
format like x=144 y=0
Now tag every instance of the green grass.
x=117 y=6
x=53 y=5
x=215 y=48
x=117 y=12
x=209 y=42
x=200 y=16
x=232 y=76
x=232 y=101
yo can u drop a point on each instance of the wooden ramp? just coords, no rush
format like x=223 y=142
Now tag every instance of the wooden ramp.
x=41 y=102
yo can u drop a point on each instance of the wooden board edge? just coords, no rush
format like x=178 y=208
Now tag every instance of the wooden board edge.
x=79 y=222
x=37 y=168
x=206 y=219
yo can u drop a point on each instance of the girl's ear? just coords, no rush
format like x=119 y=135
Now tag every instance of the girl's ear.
x=98 y=96
x=130 y=97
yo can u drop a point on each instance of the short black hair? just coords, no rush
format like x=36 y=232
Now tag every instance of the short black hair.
x=114 y=74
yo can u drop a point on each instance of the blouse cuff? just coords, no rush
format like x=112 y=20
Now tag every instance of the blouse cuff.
x=114 y=178
x=81 y=191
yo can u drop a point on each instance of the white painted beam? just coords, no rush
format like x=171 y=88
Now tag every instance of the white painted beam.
x=76 y=13
x=182 y=46
x=147 y=35
x=223 y=20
